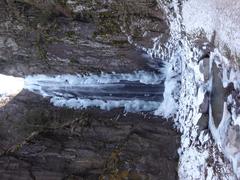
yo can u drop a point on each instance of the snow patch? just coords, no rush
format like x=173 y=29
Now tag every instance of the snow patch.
x=219 y=19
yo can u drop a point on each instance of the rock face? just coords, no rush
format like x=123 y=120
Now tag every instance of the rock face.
x=35 y=39
x=39 y=141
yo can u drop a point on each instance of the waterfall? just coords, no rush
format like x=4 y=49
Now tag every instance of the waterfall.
x=136 y=92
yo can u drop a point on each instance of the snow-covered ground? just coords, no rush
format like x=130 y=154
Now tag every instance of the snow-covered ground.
x=201 y=148
x=200 y=155
x=219 y=19
x=227 y=133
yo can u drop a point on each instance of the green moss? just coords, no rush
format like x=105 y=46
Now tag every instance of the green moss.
x=62 y=2
x=70 y=34
x=73 y=60
x=119 y=43
x=41 y=53
x=36 y=121
x=39 y=45
x=107 y=24
x=238 y=60
x=43 y=18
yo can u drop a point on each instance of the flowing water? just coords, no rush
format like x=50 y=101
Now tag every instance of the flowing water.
x=139 y=91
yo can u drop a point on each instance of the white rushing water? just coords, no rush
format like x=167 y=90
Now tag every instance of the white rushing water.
x=10 y=86
x=105 y=91
x=136 y=92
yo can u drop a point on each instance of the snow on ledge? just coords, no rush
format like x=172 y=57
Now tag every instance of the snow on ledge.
x=219 y=19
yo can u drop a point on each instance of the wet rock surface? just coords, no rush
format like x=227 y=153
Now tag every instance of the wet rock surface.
x=39 y=141
x=217 y=98
x=34 y=39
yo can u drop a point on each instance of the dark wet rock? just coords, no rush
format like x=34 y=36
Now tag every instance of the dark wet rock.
x=205 y=104
x=203 y=108
x=217 y=95
x=34 y=39
x=46 y=142
x=236 y=96
x=203 y=122
x=204 y=68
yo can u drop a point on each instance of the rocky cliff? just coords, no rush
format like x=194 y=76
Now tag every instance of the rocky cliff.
x=196 y=42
